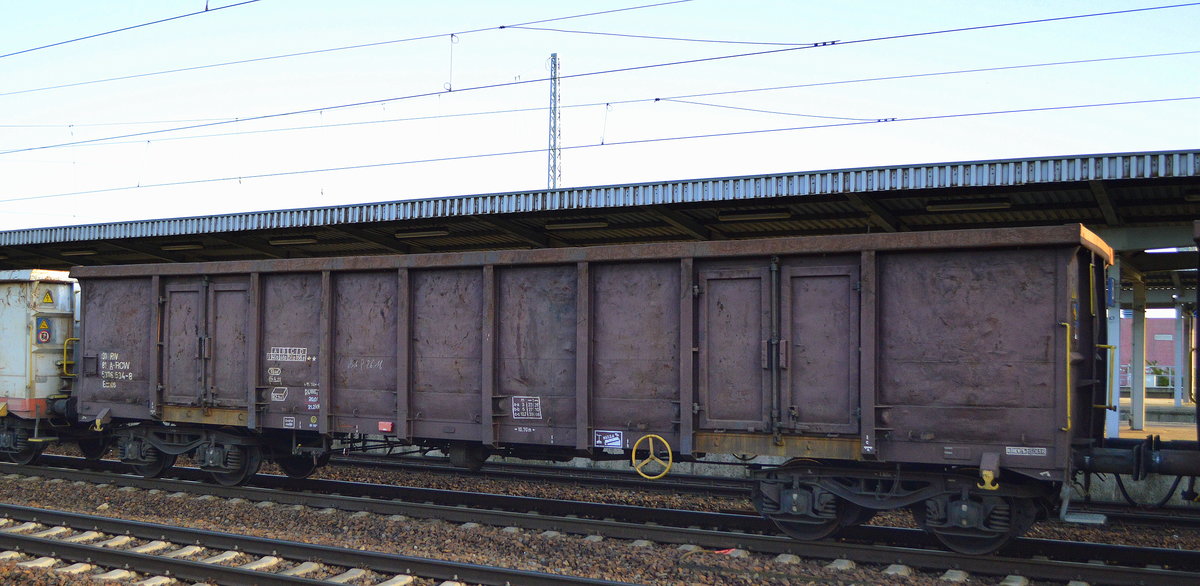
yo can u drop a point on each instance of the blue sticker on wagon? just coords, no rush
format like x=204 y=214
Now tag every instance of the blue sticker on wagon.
x=609 y=439
x=44 y=333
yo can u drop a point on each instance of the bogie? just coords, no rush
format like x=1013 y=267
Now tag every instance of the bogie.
x=231 y=465
x=977 y=524
x=813 y=500
x=16 y=445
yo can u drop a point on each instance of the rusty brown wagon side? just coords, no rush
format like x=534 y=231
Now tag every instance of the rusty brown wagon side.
x=938 y=350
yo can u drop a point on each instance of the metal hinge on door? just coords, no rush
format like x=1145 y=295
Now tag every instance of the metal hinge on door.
x=695 y=290
x=858 y=285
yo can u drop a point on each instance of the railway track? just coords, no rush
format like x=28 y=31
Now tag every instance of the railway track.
x=81 y=543
x=1031 y=558
x=697 y=484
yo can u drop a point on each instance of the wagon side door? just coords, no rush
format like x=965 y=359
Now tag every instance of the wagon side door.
x=227 y=356
x=183 y=343
x=819 y=349
x=734 y=329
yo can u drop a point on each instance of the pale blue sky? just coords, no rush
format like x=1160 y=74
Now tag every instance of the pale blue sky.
x=271 y=27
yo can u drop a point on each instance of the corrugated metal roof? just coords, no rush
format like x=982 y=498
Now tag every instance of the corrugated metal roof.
x=977 y=174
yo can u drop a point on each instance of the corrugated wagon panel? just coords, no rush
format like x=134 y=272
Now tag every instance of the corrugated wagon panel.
x=290 y=350
x=635 y=320
x=536 y=355
x=734 y=325
x=447 y=353
x=118 y=370
x=969 y=337
x=364 y=364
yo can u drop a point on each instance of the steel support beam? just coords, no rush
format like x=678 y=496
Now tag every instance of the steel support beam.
x=38 y=253
x=878 y=214
x=1127 y=238
x=150 y=252
x=246 y=243
x=1158 y=298
x=521 y=233
x=389 y=245
x=1104 y=202
x=1159 y=262
x=681 y=222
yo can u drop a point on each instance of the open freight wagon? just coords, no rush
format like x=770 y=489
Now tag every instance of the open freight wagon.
x=942 y=351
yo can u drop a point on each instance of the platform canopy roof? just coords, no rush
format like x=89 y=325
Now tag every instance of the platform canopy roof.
x=1135 y=200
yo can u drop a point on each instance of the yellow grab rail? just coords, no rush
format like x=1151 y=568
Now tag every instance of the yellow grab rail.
x=66 y=361
x=1092 y=287
x=1067 y=353
x=1112 y=403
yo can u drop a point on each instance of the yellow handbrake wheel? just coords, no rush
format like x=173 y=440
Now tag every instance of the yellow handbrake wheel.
x=651 y=456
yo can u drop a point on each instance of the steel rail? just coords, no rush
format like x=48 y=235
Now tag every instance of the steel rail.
x=1162 y=517
x=692 y=483
x=384 y=563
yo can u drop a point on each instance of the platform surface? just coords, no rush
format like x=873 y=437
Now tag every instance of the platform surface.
x=1163 y=419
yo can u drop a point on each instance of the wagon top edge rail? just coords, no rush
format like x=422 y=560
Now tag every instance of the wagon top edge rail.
x=1018 y=237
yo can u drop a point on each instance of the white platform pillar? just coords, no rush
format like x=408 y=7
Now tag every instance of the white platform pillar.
x=1180 y=353
x=1112 y=417
x=1137 y=359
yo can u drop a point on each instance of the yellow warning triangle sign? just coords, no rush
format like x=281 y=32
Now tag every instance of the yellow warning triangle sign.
x=47 y=298
x=43 y=324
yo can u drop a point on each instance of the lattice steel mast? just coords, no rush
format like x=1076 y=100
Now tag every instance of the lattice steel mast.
x=554 y=164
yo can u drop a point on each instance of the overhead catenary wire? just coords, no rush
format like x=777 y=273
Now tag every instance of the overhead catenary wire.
x=206 y=10
x=1051 y=19
x=591 y=146
x=130 y=123
x=594 y=73
x=607 y=104
x=760 y=111
x=936 y=74
x=329 y=50
x=601 y=12
x=658 y=38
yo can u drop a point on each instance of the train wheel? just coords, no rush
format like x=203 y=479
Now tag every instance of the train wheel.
x=1009 y=518
x=93 y=448
x=806 y=531
x=25 y=455
x=159 y=466
x=248 y=459
x=972 y=544
x=848 y=514
x=301 y=466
